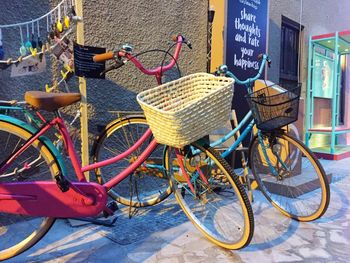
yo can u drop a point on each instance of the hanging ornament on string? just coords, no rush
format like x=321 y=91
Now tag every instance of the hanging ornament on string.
x=28 y=43
x=22 y=49
x=50 y=28
x=2 y=54
x=33 y=41
x=54 y=26
x=66 y=20
x=59 y=25
x=33 y=49
x=39 y=42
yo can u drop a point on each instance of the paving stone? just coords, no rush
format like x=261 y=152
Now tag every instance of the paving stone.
x=162 y=233
x=147 y=221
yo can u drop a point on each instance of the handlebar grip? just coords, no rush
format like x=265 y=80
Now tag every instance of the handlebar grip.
x=174 y=38
x=103 y=57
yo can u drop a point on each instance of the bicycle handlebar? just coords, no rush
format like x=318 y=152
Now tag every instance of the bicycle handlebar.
x=224 y=70
x=118 y=55
x=179 y=39
x=103 y=57
x=158 y=71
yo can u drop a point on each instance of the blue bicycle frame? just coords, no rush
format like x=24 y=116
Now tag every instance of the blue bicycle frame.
x=248 y=83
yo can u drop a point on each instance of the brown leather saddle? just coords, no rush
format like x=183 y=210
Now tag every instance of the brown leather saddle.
x=50 y=101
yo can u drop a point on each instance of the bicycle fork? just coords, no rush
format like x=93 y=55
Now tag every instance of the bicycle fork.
x=181 y=161
x=276 y=152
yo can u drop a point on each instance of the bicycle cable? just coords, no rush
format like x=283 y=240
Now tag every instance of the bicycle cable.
x=163 y=61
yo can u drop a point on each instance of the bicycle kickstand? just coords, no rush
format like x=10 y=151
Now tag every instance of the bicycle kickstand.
x=110 y=209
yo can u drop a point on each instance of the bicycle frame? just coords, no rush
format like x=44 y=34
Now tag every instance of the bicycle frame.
x=81 y=198
x=72 y=199
x=8 y=106
x=248 y=83
x=242 y=136
x=232 y=133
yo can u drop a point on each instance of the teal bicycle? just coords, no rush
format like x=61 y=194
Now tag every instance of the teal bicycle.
x=285 y=171
x=19 y=109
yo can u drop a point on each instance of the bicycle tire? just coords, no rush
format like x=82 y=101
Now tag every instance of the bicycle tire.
x=146 y=186
x=231 y=225
x=301 y=191
x=26 y=231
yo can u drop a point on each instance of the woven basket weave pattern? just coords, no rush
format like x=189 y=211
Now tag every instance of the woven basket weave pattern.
x=184 y=110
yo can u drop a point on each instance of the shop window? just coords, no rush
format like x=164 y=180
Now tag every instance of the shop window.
x=290 y=33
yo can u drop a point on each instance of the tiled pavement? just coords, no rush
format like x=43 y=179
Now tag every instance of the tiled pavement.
x=163 y=234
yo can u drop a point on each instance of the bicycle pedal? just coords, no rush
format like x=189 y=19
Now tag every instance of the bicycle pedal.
x=243 y=149
x=111 y=207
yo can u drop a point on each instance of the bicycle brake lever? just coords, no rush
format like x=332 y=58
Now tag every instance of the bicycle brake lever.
x=184 y=40
x=268 y=62
x=188 y=43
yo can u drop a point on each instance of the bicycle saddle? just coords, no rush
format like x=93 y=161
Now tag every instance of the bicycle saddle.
x=50 y=101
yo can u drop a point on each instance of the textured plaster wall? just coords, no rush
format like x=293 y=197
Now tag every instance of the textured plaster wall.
x=14 y=12
x=145 y=24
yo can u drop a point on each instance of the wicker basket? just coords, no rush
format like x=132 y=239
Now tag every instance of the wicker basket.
x=184 y=110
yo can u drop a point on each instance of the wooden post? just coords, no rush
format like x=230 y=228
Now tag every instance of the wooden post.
x=82 y=88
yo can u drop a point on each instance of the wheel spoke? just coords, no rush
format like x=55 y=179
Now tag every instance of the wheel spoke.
x=301 y=189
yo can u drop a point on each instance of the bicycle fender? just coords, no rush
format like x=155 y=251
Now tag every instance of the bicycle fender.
x=46 y=141
x=122 y=118
x=107 y=127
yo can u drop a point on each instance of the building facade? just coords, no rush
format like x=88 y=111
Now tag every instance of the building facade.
x=150 y=24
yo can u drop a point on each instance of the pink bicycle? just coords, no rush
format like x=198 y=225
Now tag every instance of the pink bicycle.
x=34 y=189
x=148 y=185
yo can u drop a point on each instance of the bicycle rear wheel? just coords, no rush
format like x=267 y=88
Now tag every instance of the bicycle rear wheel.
x=300 y=188
x=219 y=207
x=148 y=185
x=18 y=233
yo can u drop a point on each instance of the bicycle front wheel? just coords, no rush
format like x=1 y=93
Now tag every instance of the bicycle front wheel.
x=217 y=203
x=18 y=233
x=290 y=176
x=148 y=185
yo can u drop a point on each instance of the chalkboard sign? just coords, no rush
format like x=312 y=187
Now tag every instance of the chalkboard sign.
x=246 y=29
x=84 y=66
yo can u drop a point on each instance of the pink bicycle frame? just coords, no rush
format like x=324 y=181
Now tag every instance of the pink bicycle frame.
x=80 y=199
x=117 y=178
